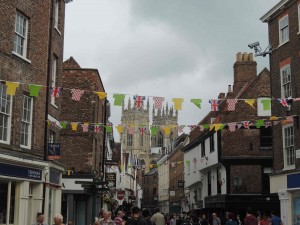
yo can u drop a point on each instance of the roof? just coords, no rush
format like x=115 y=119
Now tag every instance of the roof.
x=278 y=7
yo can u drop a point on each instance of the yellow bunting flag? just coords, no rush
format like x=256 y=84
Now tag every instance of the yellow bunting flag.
x=101 y=95
x=11 y=87
x=177 y=103
x=273 y=118
x=167 y=130
x=74 y=126
x=49 y=123
x=218 y=126
x=120 y=129
x=250 y=102
x=211 y=127
x=122 y=167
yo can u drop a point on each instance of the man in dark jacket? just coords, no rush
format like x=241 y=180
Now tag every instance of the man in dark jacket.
x=136 y=218
x=250 y=219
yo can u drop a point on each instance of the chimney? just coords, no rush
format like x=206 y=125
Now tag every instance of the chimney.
x=244 y=70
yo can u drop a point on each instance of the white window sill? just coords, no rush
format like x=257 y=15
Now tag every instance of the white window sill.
x=20 y=56
x=289 y=168
x=298 y=32
x=26 y=147
x=5 y=142
x=283 y=43
x=57 y=30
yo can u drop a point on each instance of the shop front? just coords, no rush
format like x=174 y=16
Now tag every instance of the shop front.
x=23 y=190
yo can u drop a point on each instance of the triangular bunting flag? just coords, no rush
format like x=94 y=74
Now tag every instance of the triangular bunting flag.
x=167 y=130
x=153 y=131
x=214 y=105
x=232 y=127
x=55 y=91
x=158 y=101
x=197 y=102
x=177 y=103
x=283 y=102
x=250 y=102
x=63 y=125
x=119 y=98
x=231 y=104
x=120 y=129
x=74 y=126
x=85 y=127
x=108 y=129
x=101 y=95
x=34 y=90
x=96 y=128
x=246 y=124
x=211 y=127
x=219 y=126
x=76 y=94
x=259 y=123
x=11 y=87
x=138 y=101
x=142 y=130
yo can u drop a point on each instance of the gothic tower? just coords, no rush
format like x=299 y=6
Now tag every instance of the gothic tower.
x=161 y=118
x=135 y=144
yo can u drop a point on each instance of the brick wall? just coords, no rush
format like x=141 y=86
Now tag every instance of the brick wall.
x=77 y=145
x=30 y=71
x=280 y=54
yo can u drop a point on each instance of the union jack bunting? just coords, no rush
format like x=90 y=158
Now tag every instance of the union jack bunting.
x=180 y=128
x=231 y=104
x=158 y=101
x=142 y=130
x=232 y=127
x=55 y=91
x=96 y=128
x=246 y=124
x=173 y=164
x=283 y=102
x=201 y=128
x=76 y=94
x=214 y=104
x=138 y=101
x=195 y=160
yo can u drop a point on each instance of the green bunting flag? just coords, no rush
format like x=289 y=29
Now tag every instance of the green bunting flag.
x=266 y=104
x=187 y=162
x=118 y=99
x=153 y=131
x=34 y=90
x=197 y=102
x=259 y=123
x=108 y=129
x=63 y=125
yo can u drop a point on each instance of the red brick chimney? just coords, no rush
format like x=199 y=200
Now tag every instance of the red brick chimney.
x=244 y=70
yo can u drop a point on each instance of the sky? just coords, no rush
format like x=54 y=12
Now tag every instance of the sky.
x=167 y=48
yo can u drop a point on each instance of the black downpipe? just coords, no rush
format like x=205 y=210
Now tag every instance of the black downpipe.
x=47 y=97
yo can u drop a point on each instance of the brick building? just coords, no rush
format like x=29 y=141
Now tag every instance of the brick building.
x=228 y=171
x=82 y=151
x=150 y=190
x=178 y=202
x=284 y=29
x=31 y=52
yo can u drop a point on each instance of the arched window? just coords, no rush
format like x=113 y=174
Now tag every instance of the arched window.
x=129 y=139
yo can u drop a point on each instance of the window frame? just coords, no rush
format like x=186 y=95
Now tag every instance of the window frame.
x=212 y=143
x=281 y=29
x=129 y=140
x=29 y=123
x=266 y=138
x=53 y=79
x=283 y=70
x=203 y=149
x=9 y=115
x=24 y=37
x=298 y=18
x=56 y=14
x=288 y=165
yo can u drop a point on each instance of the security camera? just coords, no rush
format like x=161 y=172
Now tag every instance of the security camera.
x=253 y=45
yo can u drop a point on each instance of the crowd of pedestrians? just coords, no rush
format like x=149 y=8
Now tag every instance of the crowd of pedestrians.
x=143 y=217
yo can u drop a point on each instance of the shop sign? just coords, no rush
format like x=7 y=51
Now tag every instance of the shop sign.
x=120 y=195
x=20 y=171
x=111 y=162
x=53 y=151
x=111 y=179
x=293 y=180
x=181 y=184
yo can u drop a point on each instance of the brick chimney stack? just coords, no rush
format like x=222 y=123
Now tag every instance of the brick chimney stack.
x=244 y=70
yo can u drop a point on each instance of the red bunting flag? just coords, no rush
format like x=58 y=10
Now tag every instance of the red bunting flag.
x=158 y=101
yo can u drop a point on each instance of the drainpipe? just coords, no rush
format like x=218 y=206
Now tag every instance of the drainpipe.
x=47 y=93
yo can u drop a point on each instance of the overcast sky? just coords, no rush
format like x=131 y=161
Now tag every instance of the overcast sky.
x=169 y=48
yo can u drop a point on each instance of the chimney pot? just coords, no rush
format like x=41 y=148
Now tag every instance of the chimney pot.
x=239 y=57
x=229 y=88
x=245 y=56
x=250 y=56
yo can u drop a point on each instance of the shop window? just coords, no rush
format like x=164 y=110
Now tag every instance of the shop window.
x=7 y=206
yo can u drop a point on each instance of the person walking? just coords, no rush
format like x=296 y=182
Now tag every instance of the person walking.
x=119 y=220
x=239 y=220
x=40 y=217
x=146 y=215
x=136 y=218
x=265 y=220
x=172 y=220
x=204 y=220
x=106 y=218
x=215 y=219
x=58 y=219
x=250 y=219
x=158 y=218
x=230 y=220
x=275 y=220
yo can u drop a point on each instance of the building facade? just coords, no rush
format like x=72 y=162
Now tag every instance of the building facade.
x=229 y=169
x=284 y=29
x=82 y=148
x=163 y=184
x=31 y=52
